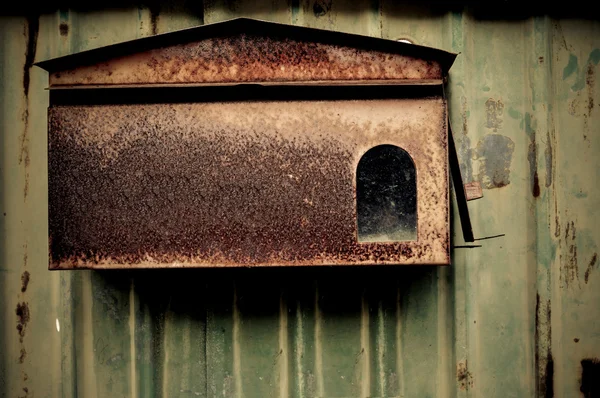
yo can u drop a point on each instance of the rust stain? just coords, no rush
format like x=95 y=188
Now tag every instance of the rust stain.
x=23 y=355
x=23 y=317
x=64 y=29
x=591 y=265
x=154 y=15
x=590 y=377
x=236 y=184
x=556 y=219
x=590 y=79
x=464 y=376
x=543 y=349
x=536 y=185
x=494 y=111
x=532 y=158
x=548 y=156
x=322 y=7
x=24 y=281
x=31 y=34
x=251 y=58
x=570 y=269
x=549 y=377
x=529 y=125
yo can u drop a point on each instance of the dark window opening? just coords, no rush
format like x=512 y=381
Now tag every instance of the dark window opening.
x=386 y=195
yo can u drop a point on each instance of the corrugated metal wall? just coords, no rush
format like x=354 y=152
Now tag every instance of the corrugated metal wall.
x=517 y=317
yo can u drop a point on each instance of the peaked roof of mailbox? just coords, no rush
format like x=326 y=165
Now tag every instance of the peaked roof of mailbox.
x=246 y=50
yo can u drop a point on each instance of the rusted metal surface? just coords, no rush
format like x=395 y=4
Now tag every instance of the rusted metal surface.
x=250 y=52
x=235 y=183
x=473 y=190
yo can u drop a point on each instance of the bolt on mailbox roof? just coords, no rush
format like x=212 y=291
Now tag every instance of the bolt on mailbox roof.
x=251 y=51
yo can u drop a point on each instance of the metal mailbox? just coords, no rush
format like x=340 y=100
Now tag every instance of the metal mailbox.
x=248 y=143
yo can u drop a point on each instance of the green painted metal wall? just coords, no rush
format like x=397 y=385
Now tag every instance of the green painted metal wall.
x=517 y=317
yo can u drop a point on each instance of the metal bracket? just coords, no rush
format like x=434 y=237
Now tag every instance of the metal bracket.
x=461 y=197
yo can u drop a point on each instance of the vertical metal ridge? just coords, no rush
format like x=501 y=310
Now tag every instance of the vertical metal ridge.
x=472 y=358
x=548 y=221
x=67 y=334
x=299 y=348
x=540 y=82
x=132 y=348
x=318 y=347
x=365 y=382
x=458 y=97
x=444 y=334
x=237 y=356
x=381 y=348
x=88 y=365
x=399 y=345
x=284 y=376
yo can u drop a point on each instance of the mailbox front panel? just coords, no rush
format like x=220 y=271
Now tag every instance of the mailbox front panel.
x=237 y=183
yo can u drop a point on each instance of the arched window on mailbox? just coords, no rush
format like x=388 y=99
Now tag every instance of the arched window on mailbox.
x=248 y=143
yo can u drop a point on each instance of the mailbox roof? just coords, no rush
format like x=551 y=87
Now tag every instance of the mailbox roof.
x=246 y=50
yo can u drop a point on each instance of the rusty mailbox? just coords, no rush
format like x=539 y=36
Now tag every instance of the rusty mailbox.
x=248 y=143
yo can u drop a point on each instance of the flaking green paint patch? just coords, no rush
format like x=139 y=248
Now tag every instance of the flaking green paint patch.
x=572 y=66
x=593 y=59
x=595 y=56
x=529 y=124
x=547 y=252
x=515 y=114
x=579 y=84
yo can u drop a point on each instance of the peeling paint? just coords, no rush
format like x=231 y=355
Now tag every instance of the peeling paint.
x=465 y=152
x=572 y=66
x=586 y=76
x=494 y=155
x=515 y=114
x=494 y=111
